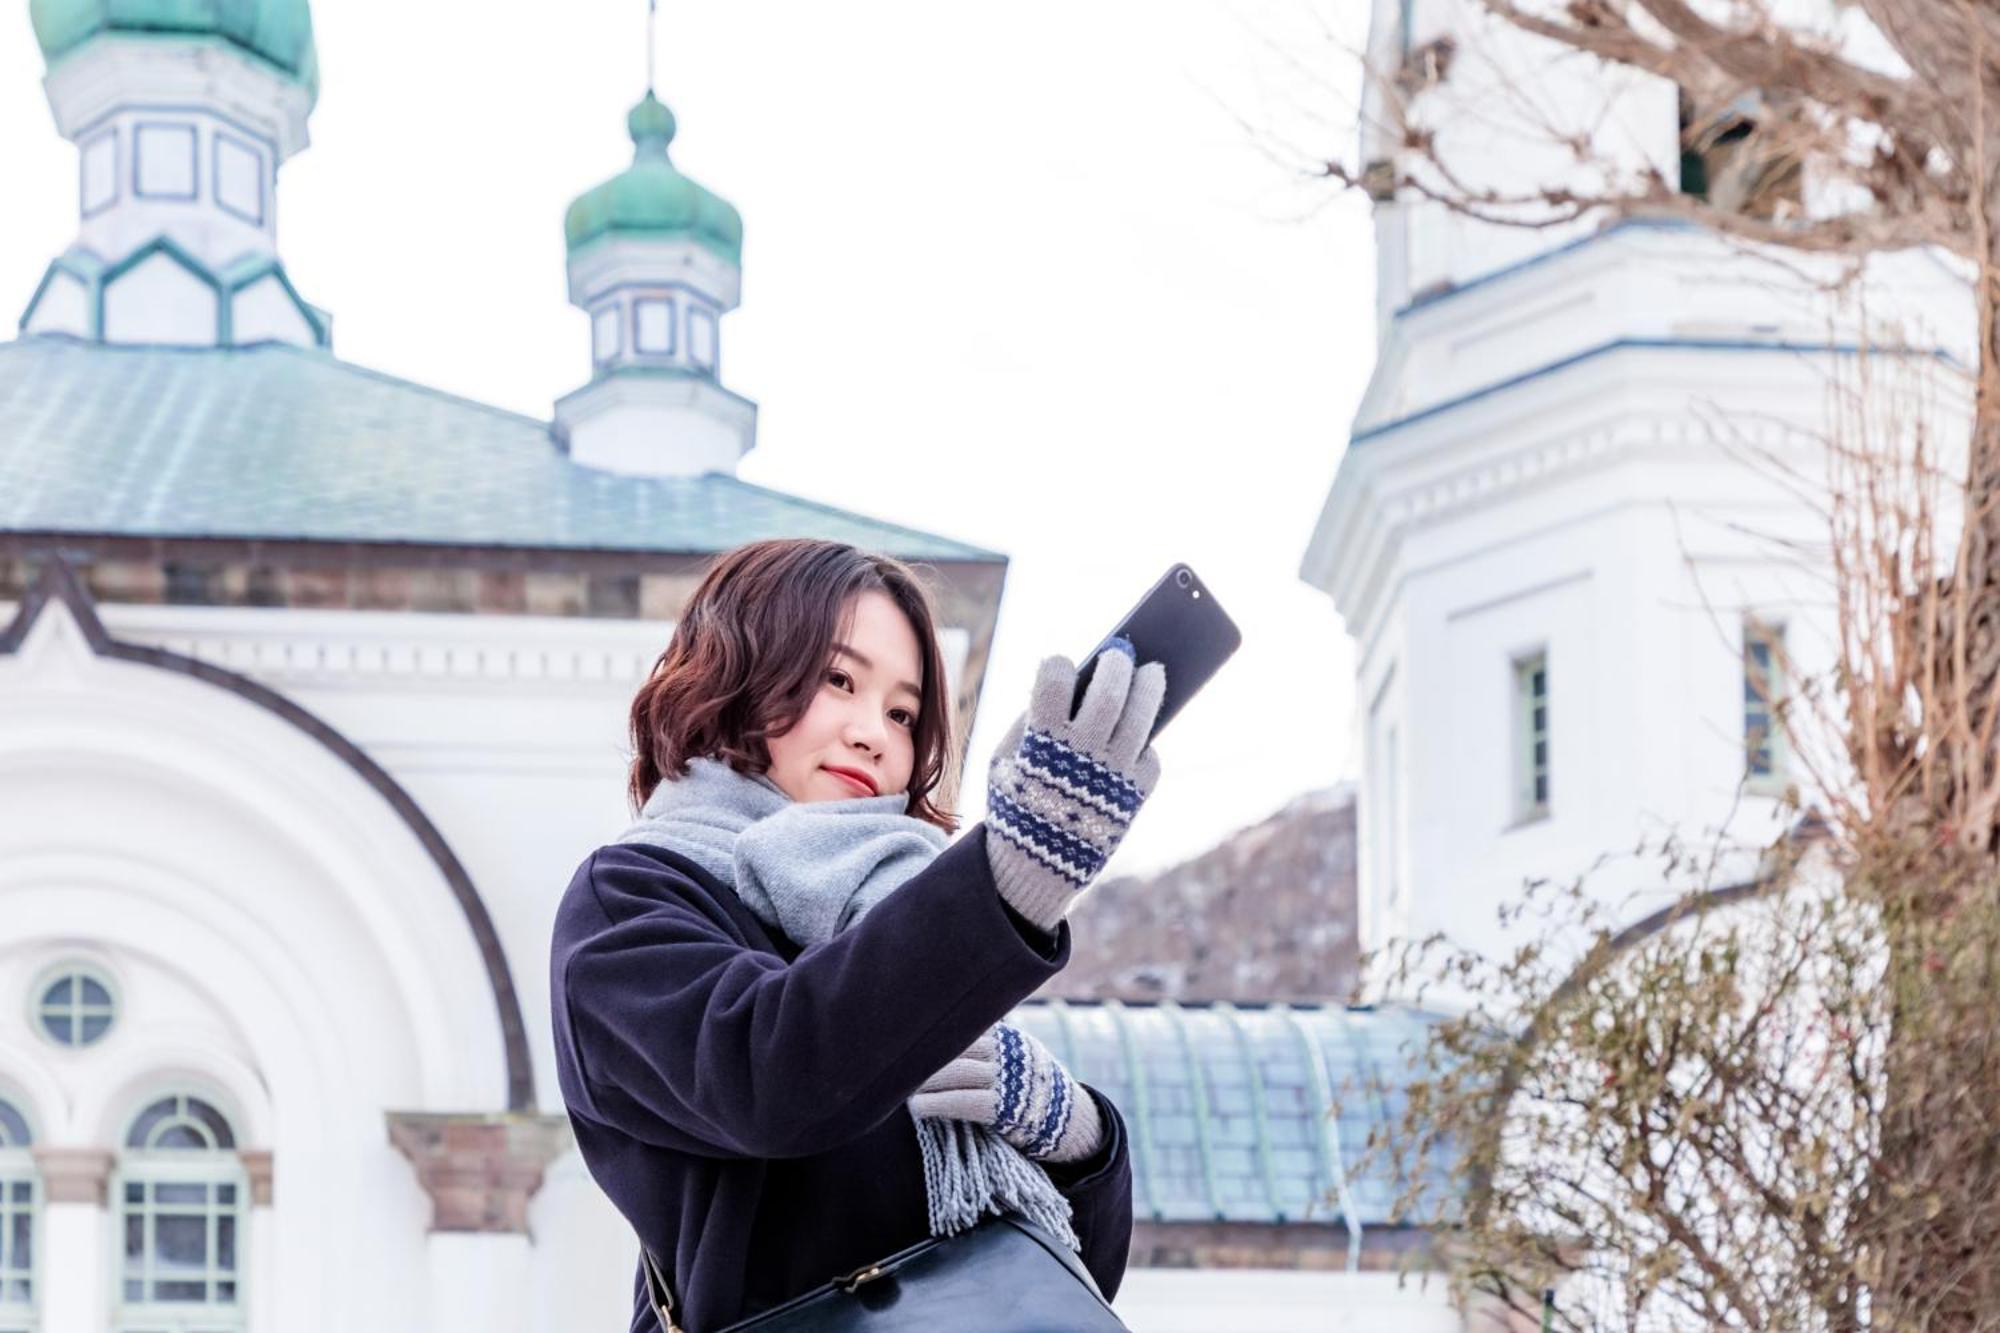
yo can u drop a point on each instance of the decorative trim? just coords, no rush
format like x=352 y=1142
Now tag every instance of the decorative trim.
x=617 y=326
x=713 y=363
x=257 y=1167
x=93 y=295
x=276 y=654
x=1646 y=344
x=666 y=285
x=480 y=1171
x=167 y=246
x=215 y=175
x=639 y=304
x=193 y=133
x=83 y=147
x=275 y=268
x=59 y=582
x=1443 y=294
x=75 y=1175
x=181 y=109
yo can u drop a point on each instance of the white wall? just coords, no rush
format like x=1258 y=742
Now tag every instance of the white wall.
x=1174 y=1300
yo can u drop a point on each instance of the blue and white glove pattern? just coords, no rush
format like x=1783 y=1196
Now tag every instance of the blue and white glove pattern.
x=1010 y=1082
x=1062 y=791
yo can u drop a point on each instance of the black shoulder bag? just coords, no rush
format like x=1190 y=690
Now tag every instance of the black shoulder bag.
x=1005 y=1275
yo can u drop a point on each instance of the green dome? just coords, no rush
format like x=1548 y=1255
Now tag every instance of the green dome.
x=651 y=120
x=652 y=198
x=278 y=31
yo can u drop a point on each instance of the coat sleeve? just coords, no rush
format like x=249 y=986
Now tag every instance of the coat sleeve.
x=678 y=1033
x=1099 y=1190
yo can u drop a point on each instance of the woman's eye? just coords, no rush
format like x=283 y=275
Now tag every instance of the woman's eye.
x=908 y=719
x=836 y=675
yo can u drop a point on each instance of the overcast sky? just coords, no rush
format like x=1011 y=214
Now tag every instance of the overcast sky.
x=1018 y=275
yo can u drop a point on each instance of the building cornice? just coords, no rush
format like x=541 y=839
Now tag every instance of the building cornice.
x=1624 y=402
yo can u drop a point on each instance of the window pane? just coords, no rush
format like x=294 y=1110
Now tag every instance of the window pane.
x=20 y=1190
x=21 y=1254
x=94 y=992
x=225 y=1194
x=180 y=1291
x=183 y=1244
x=135 y=1241
x=1763 y=687
x=181 y=1136
x=217 y=1126
x=655 y=325
x=142 y=1128
x=62 y=993
x=225 y=1244
x=225 y=1292
x=94 y=1026
x=1531 y=737
x=135 y=1192
x=194 y=1193
x=13 y=1127
x=61 y=1027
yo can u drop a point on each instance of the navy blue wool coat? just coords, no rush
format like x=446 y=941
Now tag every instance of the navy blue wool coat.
x=743 y=1101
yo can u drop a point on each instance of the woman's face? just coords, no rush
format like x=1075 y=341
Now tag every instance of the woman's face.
x=863 y=717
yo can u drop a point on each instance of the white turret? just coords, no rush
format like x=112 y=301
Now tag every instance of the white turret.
x=181 y=116
x=655 y=260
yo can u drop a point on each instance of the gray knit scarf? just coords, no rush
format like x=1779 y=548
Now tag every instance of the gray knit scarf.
x=808 y=870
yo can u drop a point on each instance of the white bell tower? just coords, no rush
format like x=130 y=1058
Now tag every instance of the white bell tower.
x=1555 y=532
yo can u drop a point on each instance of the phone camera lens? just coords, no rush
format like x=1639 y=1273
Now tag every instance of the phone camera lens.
x=1182 y=577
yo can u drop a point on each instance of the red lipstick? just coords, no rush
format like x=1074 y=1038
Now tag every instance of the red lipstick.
x=856 y=776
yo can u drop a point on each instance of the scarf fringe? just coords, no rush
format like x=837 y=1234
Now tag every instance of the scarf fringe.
x=969 y=1171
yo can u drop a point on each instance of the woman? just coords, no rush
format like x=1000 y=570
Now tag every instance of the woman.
x=777 y=995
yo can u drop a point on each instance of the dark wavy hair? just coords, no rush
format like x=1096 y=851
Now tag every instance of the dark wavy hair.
x=749 y=654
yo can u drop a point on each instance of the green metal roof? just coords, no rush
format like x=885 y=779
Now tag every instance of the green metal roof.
x=277 y=31
x=652 y=198
x=1229 y=1106
x=284 y=443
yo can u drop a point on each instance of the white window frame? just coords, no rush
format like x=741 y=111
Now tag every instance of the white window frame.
x=704 y=338
x=1392 y=818
x=17 y=1166
x=149 y=1168
x=1380 y=815
x=607 y=341
x=1756 y=706
x=1534 y=785
x=665 y=314
x=81 y=968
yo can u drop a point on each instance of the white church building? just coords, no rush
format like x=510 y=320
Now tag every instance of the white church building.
x=1573 y=533
x=312 y=692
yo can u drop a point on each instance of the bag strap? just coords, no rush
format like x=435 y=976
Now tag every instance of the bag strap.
x=659 y=1293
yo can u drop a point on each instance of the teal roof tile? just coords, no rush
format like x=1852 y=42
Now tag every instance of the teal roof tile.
x=1252 y=1113
x=284 y=443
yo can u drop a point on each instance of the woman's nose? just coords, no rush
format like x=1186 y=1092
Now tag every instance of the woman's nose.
x=863 y=735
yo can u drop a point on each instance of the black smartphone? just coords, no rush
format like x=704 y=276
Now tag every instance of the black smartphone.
x=1179 y=624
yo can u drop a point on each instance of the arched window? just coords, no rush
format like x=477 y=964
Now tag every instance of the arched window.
x=18 y=1203
x=181 y=1192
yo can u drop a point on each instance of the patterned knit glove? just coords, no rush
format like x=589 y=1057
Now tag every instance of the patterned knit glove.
x=1062 y=791
x=1010 y=1081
